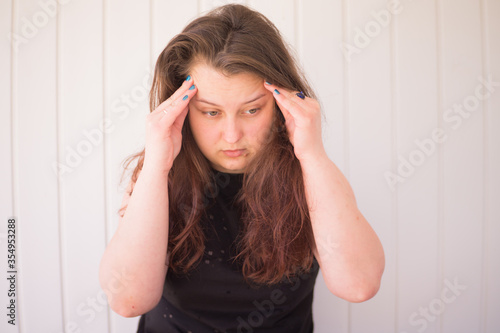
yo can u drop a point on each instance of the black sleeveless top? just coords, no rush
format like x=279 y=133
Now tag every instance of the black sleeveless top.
x=214 y=297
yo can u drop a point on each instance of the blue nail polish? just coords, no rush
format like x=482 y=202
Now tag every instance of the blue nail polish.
x=276 y=91
x=268 y=83
x=188 y=78
x=192 y=87
x=185 y=97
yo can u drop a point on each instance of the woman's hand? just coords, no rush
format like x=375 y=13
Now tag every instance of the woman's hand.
x=303 y=122
x=350 y=255
x=164 y=127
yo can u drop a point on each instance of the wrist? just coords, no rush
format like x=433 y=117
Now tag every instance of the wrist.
x=156 y=167
x=314 y=160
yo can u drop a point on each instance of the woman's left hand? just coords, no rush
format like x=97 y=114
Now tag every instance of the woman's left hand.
x=303 y=122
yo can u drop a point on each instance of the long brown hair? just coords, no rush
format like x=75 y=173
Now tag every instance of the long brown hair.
x=277 y=239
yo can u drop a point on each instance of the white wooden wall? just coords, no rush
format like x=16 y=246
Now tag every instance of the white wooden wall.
x=392 y=78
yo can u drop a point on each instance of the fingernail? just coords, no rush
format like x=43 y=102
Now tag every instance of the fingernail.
x=188 y=78
x=276 y=91
x=268 y=83
x=185 y=97
x=192 y=87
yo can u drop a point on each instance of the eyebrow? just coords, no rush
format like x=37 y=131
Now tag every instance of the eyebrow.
x=215 y=104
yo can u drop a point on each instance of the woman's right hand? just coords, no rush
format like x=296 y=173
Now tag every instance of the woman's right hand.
x=146 y=219
x=164 y=128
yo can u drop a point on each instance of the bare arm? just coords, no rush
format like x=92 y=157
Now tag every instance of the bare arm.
x=133 y=268
x=349 y=252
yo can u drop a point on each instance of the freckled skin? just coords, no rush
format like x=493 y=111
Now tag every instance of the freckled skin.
x=234 y=125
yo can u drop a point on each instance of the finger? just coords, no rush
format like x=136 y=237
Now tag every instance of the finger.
x=179 y=93
x=171 y=113
x=283 y=109
x=288 y=117
x=179 y=121
x=285 y=99
x=294 y=95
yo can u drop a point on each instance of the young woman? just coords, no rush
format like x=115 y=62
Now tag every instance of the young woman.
x=234 y=205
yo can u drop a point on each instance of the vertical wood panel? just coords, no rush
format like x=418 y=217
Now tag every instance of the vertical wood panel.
x=39 y=288
x=319 y=40
x=282 y=14
x=58 y=101
x=463 y=169
x=319 y=29
x=6 y=172
x=168 y=23
x=128 y=71
x=206 y=5
x=82 y=192
x=369 y=100
x=417 y=164
x=491 y=290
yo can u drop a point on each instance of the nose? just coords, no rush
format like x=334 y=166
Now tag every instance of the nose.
x=231 y=131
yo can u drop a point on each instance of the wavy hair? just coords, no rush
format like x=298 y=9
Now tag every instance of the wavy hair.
x=277 y=239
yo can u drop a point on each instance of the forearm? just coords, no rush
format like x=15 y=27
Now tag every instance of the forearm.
x=133 y=267
x=351 y=255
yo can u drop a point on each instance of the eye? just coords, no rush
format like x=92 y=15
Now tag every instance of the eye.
x=252 y=111
x=211 y=113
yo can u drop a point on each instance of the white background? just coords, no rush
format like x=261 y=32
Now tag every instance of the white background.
x=64 y=70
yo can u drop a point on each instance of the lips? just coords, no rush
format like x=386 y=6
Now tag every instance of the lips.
x=234 y=153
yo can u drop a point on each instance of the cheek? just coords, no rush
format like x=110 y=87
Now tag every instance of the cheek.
x=263 y=128
x=195 y=127
x=268 y=122
x=203 y=134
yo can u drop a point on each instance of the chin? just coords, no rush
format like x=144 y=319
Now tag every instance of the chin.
x=230 y=167
x=235 y=170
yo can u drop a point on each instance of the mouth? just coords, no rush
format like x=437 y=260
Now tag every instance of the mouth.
x=234 y=152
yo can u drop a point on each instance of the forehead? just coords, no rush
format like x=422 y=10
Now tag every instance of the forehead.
x=212 y=84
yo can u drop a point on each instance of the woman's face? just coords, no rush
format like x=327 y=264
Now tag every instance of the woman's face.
x=230 y=117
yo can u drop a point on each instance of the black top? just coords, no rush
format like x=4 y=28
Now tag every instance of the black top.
x=214 y=297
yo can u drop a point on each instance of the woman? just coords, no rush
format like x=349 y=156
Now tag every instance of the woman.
x=234 y=205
